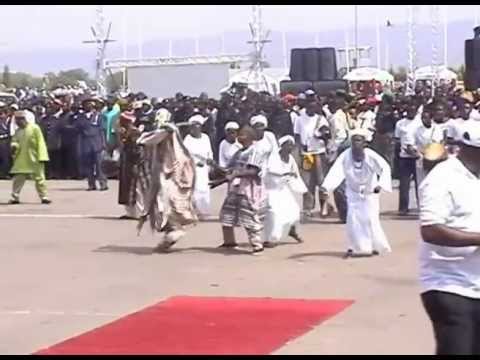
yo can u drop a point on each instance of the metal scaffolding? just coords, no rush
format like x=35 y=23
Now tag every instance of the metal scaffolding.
x=410 y=88
x=164 y=61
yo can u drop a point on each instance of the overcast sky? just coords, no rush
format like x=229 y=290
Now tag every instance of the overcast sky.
x=62 y=26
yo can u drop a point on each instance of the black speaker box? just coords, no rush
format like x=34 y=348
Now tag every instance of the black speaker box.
x=311 y=64
x=296 y=65
x=323 y=88
x=327 y=60
x=294 y=87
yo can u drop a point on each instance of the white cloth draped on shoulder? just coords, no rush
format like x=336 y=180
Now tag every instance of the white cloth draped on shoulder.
x=284 y=210
x=364 y=231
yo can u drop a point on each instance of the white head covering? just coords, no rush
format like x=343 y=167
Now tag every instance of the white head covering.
x=471 y=135
x=29 y=116
x=199 y=119
x=286 y=138
x=309 y=92
x=359 y=132
x=259 y=119
x=232 y=125
x=301 y=96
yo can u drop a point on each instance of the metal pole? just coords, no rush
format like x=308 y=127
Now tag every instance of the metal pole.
x=445 y=35
x=139 y=38
x=124 y=45
x=356 y=36
x=410 y=88
x=377 y=33
x=285 y=52
x=347 y=51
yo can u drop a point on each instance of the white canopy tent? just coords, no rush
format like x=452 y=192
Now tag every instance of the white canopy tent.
x=428 y=73
x=369 y=74
x=266 y=83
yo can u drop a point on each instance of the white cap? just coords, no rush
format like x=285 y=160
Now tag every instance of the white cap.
x=286 y=138
x=259 y=119
x=309 y=92
x=199 y=119
x=301 y=96
x=471 y=133
x=232 y=125
x=359 y=132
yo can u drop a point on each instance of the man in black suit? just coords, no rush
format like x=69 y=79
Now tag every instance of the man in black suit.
x=90 y=126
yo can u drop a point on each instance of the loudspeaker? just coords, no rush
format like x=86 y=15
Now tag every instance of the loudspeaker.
x=296 y=65
x=294 y=87
x=327 y=60
x=323 y=88
x=472 y=79
x=311 y=64
x=472 y=61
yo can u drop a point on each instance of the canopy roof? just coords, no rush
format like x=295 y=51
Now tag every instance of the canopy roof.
x=428 y=73
x=368 y=74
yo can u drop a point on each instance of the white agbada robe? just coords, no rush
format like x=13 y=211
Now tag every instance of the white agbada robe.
x=284 y=210
x=201 y=150
x=226 y=152
x=364 y=231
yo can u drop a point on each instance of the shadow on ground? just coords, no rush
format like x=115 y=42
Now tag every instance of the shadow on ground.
x=145 y=250
x=335 y=254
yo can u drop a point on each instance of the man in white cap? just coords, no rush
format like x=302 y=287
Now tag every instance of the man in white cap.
x=365 y=173
x=229 y=146
x=29 y=156
x=449 y=253
x=265 y=142
x=313 y=152
x=199 y=146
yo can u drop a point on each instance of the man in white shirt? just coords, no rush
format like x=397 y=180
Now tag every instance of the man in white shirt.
x=229 y=146
x=314 y=162
x=449 y=254
x=407 y=161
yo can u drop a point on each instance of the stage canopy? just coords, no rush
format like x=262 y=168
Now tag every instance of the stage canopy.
x=428 y=73
x=369 y=74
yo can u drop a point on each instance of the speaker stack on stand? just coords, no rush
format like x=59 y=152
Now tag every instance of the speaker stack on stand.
x=313 y=68
x=472 y=61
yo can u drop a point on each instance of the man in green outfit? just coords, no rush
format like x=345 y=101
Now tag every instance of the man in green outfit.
x=29 y=156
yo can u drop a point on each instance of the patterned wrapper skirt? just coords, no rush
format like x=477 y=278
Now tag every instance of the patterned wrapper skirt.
x=238 y=210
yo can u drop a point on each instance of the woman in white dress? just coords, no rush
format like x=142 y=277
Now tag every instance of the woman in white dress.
x=283 y=182
x=199 y=146
x=365 y=173
x=229 y=146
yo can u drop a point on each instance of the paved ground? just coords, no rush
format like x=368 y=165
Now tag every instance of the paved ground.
x=71 y=266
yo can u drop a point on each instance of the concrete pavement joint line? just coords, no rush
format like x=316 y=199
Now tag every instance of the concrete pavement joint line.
x=73 y=216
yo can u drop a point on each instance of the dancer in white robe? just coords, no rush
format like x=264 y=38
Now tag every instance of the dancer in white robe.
x=199 y=146
x=283 y=182
x=365 y=173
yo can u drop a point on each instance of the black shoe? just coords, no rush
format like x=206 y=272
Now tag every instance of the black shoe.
x=375 y=253
x=293 y=234
x=348 y=254
x=14 y=202
x=269 y=244
x=92 y=189
x=228 y=246
x=46 y=201
x=104 y=188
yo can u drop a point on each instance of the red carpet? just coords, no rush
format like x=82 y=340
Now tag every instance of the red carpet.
x=203 y=325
